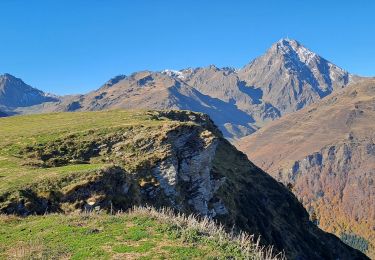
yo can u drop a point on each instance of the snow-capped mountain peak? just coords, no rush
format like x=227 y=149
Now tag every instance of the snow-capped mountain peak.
x=294 y=48
x=301 y=75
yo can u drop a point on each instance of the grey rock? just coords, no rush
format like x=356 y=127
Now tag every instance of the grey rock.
x=191 y=167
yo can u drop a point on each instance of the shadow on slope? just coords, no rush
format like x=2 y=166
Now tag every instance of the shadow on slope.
x=221 y=112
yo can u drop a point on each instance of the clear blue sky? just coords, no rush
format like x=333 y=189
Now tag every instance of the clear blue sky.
x=74 y=46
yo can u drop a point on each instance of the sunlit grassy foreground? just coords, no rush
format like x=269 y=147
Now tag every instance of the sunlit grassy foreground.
x=142 y=233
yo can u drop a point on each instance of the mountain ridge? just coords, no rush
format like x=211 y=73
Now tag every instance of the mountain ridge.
x=286 y=78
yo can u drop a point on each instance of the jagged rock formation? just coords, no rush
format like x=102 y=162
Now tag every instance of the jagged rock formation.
x=287 y=78
x=15 y=93
x=325 y=153
x=177 y=159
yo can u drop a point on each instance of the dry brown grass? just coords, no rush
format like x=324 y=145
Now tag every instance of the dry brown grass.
x=249 y=244
x=34 y=249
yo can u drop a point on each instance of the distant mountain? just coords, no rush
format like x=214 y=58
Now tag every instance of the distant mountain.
x=15 y=93
x=291 y=76
x=326 y=154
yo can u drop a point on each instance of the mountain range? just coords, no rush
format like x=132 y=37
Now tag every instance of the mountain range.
x=286 y=78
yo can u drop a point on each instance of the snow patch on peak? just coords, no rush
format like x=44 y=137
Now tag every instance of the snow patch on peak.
x=174 y=73
x=291 y=47
x=305 y=55
x=51 y=95
x=287 y=41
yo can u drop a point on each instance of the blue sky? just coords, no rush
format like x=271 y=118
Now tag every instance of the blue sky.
x=74 y=46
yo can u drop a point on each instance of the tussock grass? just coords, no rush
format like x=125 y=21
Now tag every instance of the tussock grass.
x=140 y=233
x=247 y=246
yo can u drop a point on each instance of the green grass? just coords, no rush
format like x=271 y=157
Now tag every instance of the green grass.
x=45 y=157
x=141 y=234
x=20 y=131
x=14 y=176
x=137 y=233
x=38 y=148
x=143 y=247
x=43 y=127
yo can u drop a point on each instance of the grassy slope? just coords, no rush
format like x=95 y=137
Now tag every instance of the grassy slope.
x=140 y=234
x=19 y=131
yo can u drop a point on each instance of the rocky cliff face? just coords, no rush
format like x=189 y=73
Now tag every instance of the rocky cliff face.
x=325 y=154
x=176 y=159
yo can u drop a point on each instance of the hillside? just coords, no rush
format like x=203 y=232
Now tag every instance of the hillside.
x=114 y=160
x=285 y=79
x=142 y=233
x=326 y=153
